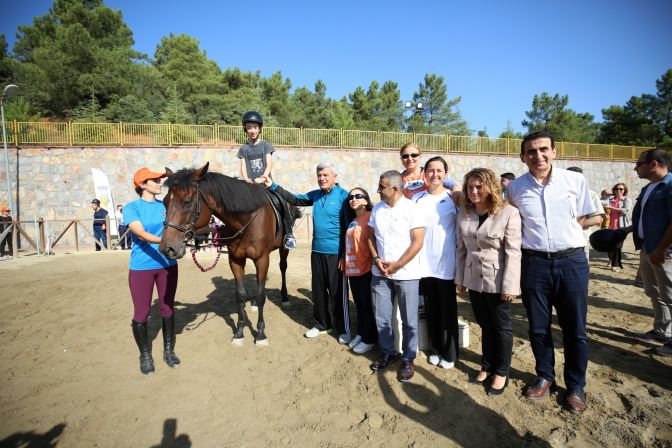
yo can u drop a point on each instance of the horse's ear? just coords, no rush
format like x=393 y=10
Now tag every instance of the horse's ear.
x=201 y=171
x=169 y=172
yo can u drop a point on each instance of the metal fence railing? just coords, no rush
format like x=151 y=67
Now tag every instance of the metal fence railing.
x=169 y=134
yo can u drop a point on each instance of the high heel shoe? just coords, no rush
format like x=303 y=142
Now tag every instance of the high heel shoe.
x=474 y=379
x=493 y=391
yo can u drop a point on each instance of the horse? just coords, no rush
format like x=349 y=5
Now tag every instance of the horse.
x=252 y=230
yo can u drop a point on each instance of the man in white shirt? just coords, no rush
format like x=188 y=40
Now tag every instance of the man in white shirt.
x=395 y=240
x=554 y=207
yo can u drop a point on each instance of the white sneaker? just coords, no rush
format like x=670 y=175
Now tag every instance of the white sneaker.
x=314 y=332
x=446 y=365
x=355 y=341
x=434 y=360
x=363 y=347
x=344 y=339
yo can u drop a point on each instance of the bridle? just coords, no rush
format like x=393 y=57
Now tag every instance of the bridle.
x=190 y=232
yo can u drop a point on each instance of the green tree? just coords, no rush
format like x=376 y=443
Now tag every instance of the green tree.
x=439 y=115
x=77 y=47
x=378 y=108
x=550 y=113
x=175 y=110
x=275 y=93
x=88 y=112
x=129 y=109
x=6 y=64
x=509 y=132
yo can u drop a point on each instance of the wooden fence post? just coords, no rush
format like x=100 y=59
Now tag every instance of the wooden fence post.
x=42 y=243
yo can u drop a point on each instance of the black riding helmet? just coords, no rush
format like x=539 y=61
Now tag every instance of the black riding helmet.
x=605 y=240
x=253 y=117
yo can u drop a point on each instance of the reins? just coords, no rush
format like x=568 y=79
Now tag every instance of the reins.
x=189 y=232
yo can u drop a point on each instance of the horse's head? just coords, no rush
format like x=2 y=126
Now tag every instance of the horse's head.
x=186 y=210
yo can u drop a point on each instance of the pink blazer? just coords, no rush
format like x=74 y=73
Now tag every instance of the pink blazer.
x=488 y=258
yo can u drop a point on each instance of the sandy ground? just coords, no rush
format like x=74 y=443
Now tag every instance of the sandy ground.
x=69 y=371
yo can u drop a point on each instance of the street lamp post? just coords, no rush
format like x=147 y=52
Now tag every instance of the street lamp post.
x=8 y=93
x=415 y=108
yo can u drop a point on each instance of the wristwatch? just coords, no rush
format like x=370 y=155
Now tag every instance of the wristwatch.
x=374 y=259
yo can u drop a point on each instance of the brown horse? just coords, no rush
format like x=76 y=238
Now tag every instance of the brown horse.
x=251 y=229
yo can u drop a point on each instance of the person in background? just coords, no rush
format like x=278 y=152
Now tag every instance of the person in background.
x=437 y=265
x=256 y=162
x=605 y=197
x=488 y=265
x=504 y=180
x=125 y=242
x=397 y=237
x=357 y=268
x=599 y=211
x=554 y=206
x=5 y=223
x=413 y=174
x=99 y=226
x=149 y=267
x=619 y=207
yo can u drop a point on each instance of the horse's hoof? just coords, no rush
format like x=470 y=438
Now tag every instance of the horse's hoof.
x=255 y=308
x=262 y=342
x=238 y=342
x=284 y=304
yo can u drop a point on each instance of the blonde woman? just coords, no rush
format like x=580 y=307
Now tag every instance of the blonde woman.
x=488 y=265
x=413 y=174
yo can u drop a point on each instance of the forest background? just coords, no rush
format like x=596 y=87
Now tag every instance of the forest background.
x=77 y=63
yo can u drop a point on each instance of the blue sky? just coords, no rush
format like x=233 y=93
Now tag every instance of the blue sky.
x=496 y=55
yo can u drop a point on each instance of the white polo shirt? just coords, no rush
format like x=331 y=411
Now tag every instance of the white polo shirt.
x=392 y=228
x=437 y=256
x=548 y=213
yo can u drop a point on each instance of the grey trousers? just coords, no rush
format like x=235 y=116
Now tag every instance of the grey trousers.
x=384 y=291
x=658 y=286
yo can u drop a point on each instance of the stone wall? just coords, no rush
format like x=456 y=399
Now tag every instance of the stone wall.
x=56 y=183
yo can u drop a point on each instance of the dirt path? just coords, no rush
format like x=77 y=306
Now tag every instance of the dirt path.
x=69 y=371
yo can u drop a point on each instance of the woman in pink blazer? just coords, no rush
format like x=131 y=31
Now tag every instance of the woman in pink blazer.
x=488 y=265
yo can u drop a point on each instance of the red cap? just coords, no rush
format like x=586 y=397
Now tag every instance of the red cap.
x=144 y=174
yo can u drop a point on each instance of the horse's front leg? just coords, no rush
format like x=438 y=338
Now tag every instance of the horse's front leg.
x=283 y=272
x=262 y=271
x=238 y=269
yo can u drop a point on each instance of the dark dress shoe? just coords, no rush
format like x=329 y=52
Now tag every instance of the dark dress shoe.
x=382 y=362
x=493 y=391
x=575 y=402
x=540 y=389
x=474 y=379
x=406 y=371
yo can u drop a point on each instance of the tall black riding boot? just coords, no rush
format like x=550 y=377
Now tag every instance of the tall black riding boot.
x=169 y=356
x=140 y=335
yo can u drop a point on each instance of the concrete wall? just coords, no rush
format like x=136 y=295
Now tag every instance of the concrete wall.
x=56 y=183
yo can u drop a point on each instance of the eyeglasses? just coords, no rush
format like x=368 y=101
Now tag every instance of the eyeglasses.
x=406 y=156
x=356 y=196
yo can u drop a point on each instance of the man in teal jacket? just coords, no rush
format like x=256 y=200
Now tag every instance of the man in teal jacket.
x=329 y=203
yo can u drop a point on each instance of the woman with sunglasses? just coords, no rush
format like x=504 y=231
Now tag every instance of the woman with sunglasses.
x=357 y=268
x=488 y=264
x=413 y=174
x=149 y=268
x=437 y=263
x=619 y=206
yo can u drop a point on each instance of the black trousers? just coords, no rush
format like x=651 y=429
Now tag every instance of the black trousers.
x=441 y=311
x=6 y=244
x=615 y=256
x=361 y=294
x=494 y=317
x=327 y=283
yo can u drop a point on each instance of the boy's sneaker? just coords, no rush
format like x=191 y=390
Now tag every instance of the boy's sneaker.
x=344 y=339
x=356 y=340
x=665 y=350
x=363 y=347
x=315 y=332
x=434 y=360
x=290 y=242
x=652 y=337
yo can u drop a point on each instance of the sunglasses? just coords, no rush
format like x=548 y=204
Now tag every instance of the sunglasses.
x=356 y=196
x=619 y=189
x=406 y=156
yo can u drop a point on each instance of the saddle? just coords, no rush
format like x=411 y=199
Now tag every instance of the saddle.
x=279 y=209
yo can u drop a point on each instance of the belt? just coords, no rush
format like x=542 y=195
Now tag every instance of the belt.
x=552 y=255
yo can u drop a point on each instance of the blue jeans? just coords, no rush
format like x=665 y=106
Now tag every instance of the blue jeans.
x=383 y=293
x=561 y=284
x=99 y=234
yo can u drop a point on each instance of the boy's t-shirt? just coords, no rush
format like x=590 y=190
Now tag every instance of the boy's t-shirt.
x=144 y=255
x=255 y=157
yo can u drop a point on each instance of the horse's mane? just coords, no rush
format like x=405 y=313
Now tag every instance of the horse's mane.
x=234 y=195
